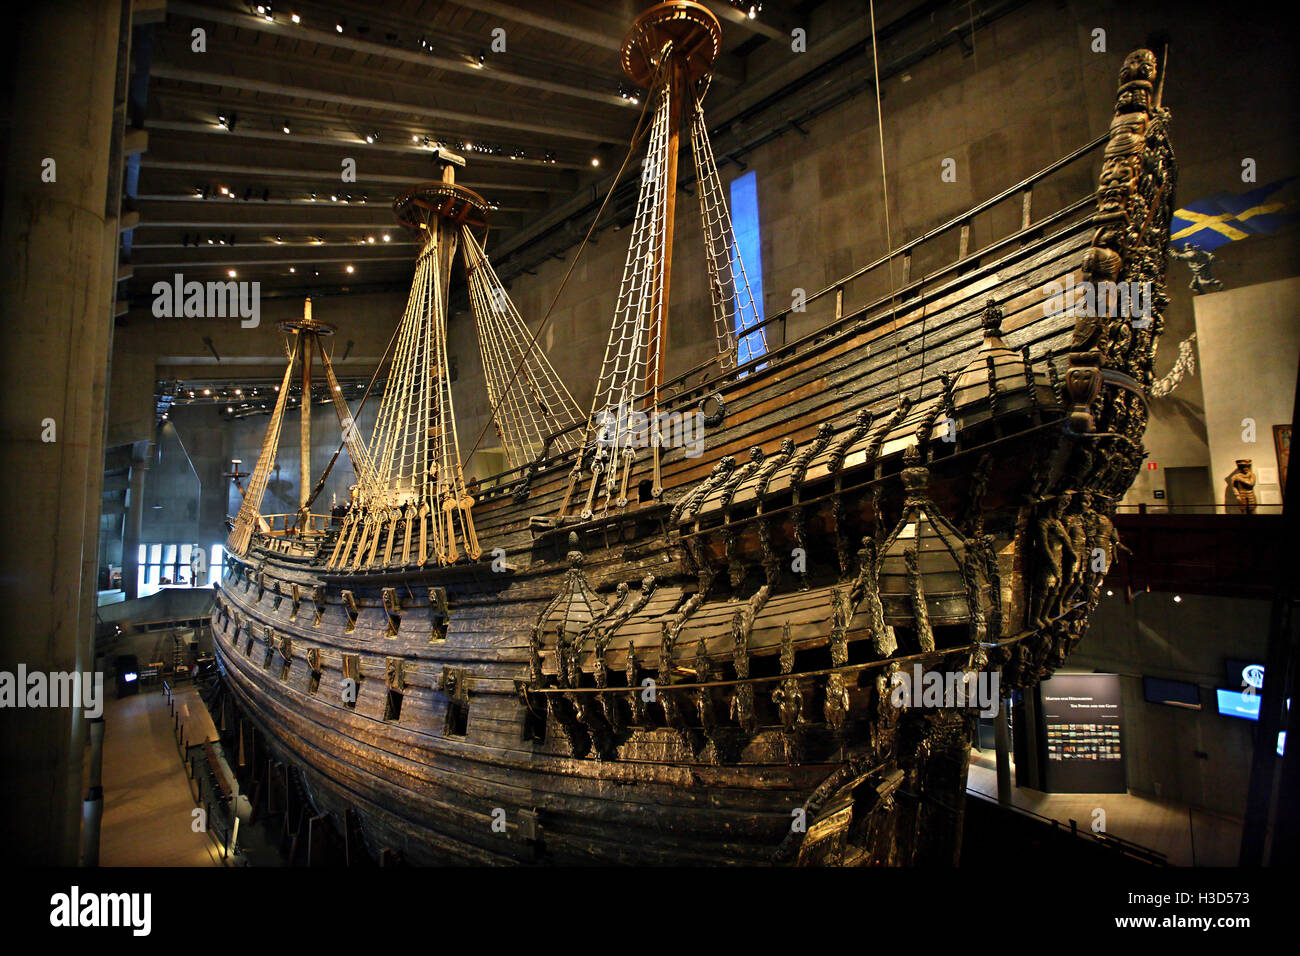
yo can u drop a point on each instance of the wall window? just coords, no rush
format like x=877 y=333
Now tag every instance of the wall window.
x=744 y=221
x=168 y=565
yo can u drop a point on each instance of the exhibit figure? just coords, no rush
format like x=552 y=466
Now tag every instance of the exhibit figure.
x=1241 y=487
x=1199 y=261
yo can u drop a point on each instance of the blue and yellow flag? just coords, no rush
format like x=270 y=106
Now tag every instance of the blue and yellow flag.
x=1223 y=217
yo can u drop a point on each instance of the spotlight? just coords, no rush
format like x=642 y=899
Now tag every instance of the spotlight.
x=295 y=18
x=207 y=391
x=370 y=239
x=223 y=121
x=372 y=136
x=286 y=128
x=1178 y=599
x=349 y=269
x=291 y=269
x=595 y=161
x=231 y=273
x=415 y=137
x=387 y=237
x=338 y=27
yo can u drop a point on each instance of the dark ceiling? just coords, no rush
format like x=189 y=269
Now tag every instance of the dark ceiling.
x=223 y=187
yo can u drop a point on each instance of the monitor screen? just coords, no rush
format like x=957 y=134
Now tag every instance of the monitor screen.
x=1243 y=673
x=1175 y=693
x=1234 y=703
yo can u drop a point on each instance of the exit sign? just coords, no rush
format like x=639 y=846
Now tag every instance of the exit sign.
x=1152 y=466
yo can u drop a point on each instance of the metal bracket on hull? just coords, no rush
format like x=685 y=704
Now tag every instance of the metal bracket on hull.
x=350 y=610
x=318 y=599
x=392 y=611
x=439 y=616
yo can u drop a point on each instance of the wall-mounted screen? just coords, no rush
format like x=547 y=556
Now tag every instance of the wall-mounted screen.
x=1175 y=693
x=1235 y=703
x=1242 y=674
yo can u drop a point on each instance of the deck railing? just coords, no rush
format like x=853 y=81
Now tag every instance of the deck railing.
x=856 y=298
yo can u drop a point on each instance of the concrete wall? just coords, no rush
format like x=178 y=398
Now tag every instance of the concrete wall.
x=1195 y=757
x=1250 y=341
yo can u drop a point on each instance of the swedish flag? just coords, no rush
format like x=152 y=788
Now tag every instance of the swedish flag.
x=1223 y=217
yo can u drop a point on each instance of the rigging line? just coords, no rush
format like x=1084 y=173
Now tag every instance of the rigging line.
x=884 y=187
x=320 y=485
x=636 y=135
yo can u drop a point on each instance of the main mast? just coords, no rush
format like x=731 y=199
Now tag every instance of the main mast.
x=670 y=51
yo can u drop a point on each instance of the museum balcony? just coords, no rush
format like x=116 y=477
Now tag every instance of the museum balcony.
x=1198 y=549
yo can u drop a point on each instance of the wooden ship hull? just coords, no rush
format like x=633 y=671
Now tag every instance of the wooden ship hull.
x=705 y=675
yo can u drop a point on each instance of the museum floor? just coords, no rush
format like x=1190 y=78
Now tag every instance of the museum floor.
x=148 y=804
x=1185 y=836
x=147 y=801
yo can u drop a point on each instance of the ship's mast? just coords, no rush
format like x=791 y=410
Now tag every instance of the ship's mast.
x=676 y=44
x=308 y=332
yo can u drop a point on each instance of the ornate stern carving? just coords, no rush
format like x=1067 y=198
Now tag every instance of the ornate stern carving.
x=1135 y=197
x=861 y=425
x=689 y=505
x=951 y=588
x=392 y=611
x=439 y=616
x=804 y=456
x=836 y=706
x=742 y=700
x=349 y=610
x=789 y=702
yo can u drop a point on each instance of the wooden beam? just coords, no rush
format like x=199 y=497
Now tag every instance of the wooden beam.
x=202 y=77
x=135 y=142
x=148 y=11
x=332 y=38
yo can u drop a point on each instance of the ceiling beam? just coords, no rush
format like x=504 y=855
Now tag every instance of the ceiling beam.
x=729 y=14
x=410 y=150
x=561 y=26
x=466 y=65
x=330 y=176
x=273 y=201
x=182 y=75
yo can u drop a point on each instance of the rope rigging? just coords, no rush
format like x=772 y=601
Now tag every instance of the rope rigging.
x=531 y=402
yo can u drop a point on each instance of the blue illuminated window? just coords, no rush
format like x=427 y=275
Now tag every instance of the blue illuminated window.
x=749 y=311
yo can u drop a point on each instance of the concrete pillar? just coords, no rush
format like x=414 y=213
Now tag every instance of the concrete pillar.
x=55 y=321
x=93 y=805
x=1001 y=741
x=141 y=454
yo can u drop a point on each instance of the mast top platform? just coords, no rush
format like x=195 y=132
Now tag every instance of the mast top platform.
x=693 y=31
x=459 y=204
x=306 y=323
